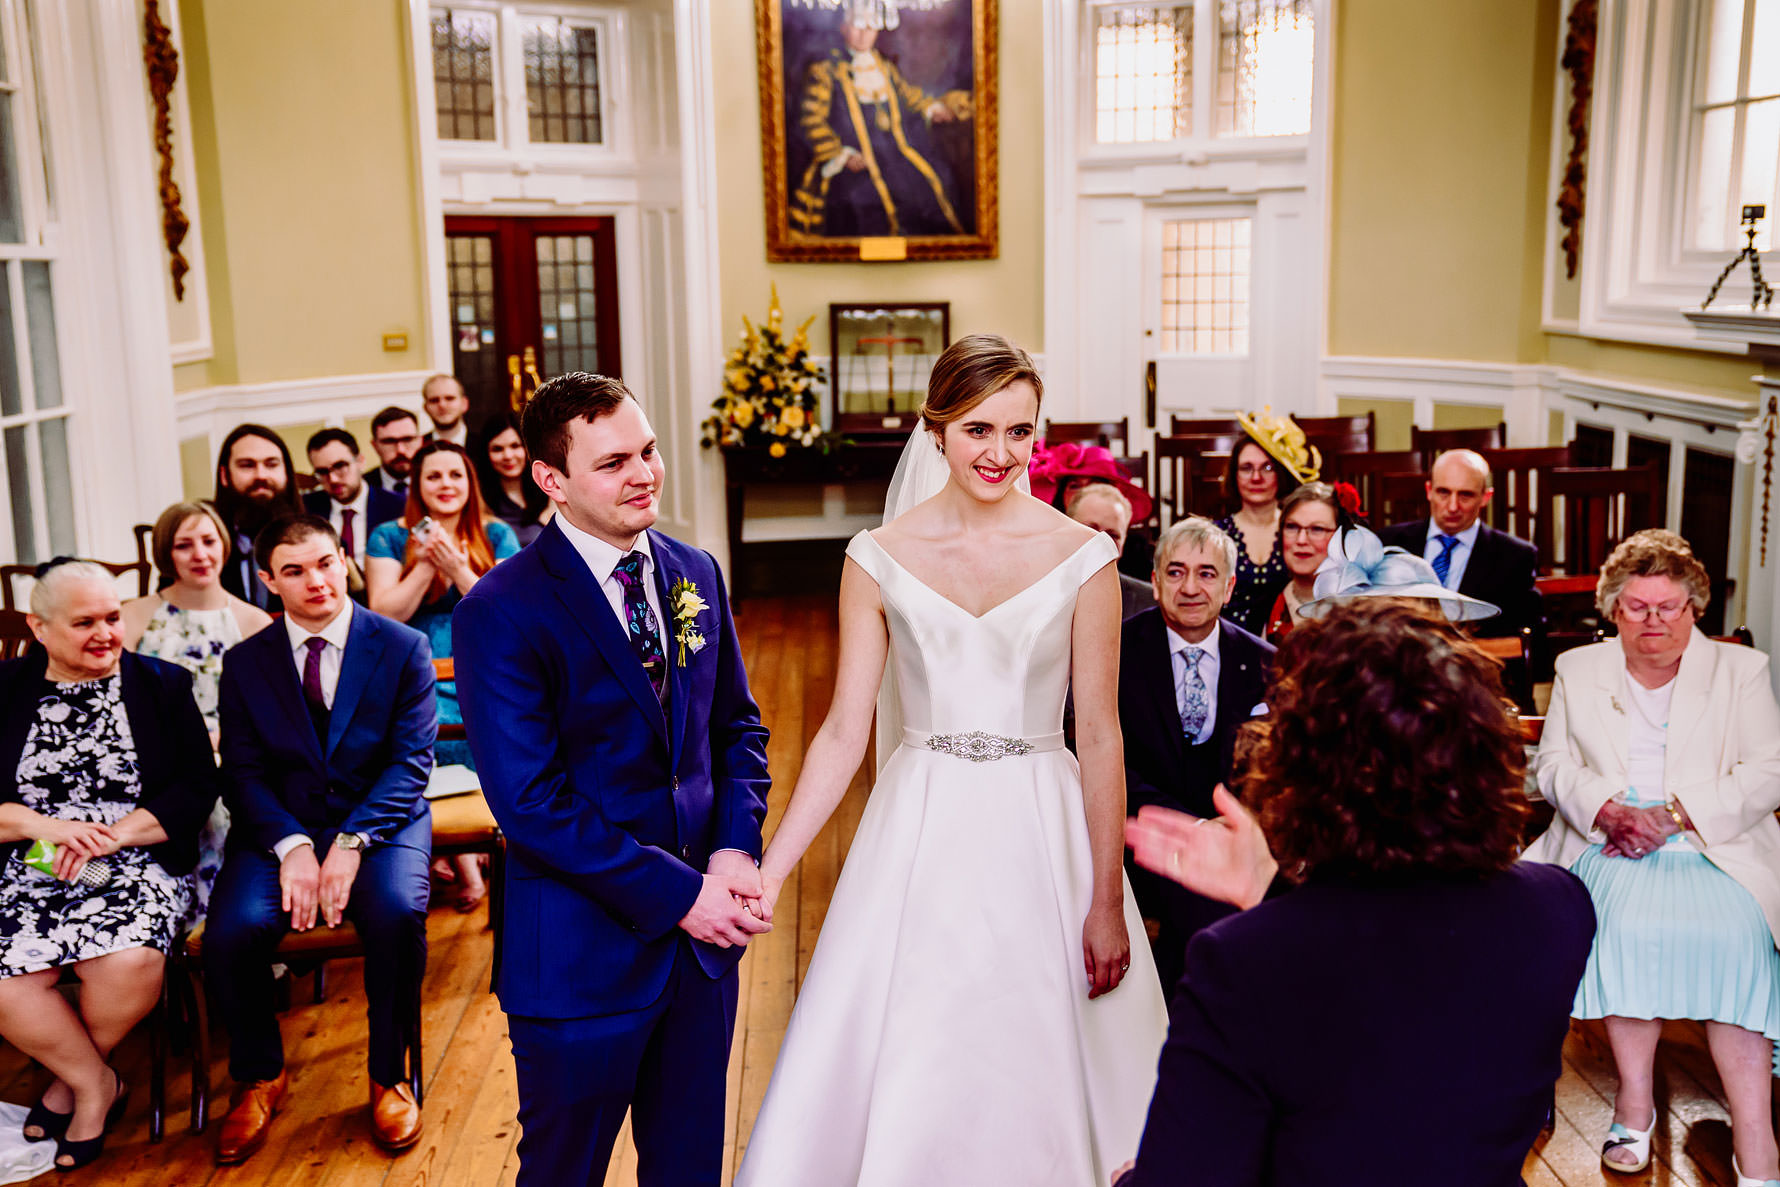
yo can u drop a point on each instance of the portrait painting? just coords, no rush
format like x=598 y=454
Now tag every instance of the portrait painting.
x=878 y=131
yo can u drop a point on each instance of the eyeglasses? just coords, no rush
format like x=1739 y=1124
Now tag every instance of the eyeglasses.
x=1315 y=531
x=1254 y=470
x=338 y=470
x=399 y=442
x=1640 y=612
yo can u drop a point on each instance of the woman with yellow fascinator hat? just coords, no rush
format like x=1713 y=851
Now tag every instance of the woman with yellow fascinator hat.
x=1268 y=463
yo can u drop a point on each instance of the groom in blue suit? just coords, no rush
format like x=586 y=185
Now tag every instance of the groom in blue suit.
x=621 y=752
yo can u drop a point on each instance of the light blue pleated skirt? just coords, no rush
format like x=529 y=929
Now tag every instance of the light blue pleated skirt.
x=1676 y=937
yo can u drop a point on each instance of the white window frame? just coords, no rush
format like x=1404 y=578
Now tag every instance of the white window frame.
x=1202 y=142
x=1636 y=273
x=513 y=143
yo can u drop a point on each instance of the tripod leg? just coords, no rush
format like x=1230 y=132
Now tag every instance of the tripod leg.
x=1712 y=293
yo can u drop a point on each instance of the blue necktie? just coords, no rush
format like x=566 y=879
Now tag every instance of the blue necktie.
x=1443 y=562
x=1195 y=701
x=639 y=621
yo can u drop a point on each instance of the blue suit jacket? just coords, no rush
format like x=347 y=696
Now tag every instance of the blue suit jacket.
x=611 y=809
x=380 y=508
x=369 y=776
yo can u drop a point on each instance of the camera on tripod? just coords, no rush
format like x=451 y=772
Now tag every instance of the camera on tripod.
x=1753 y=215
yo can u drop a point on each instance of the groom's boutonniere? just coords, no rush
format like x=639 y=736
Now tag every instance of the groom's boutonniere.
x=687 y=605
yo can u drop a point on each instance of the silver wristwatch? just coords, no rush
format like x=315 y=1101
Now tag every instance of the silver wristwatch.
x=349 y=841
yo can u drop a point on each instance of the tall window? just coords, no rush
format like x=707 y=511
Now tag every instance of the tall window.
x=1736 y=122
x=501 y=74
x=1224 y=68
x=1205 y=275
x=34 y=458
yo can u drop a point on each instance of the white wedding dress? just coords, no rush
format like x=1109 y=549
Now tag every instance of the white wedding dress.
x=944 y=1034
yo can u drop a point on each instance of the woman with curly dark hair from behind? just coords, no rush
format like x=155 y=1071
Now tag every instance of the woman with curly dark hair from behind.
x=1398 y=1014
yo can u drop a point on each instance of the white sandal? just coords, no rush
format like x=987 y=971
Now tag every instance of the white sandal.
x=1635 y=1142
x=1744 y=1180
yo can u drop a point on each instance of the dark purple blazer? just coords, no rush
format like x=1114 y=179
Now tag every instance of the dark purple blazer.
x=1393 y=1032
x=611 y=808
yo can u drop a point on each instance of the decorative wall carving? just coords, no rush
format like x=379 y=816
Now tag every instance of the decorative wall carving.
x=161 y=57
x=1579 y=62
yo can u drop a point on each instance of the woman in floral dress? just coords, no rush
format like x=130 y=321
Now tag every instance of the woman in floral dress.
x=106 y=757
x=191 y=622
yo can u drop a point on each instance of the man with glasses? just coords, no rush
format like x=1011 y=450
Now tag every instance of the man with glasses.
x=346 y=500
x=395 y=435
x=1467 y=554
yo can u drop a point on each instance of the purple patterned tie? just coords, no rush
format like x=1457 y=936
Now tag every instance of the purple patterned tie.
x=640 y=624
x=312 y=674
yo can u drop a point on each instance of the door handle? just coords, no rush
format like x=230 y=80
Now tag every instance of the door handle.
x=1149 y=394
x=523 y=379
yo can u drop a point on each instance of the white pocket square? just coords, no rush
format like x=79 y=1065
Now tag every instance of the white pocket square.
x=1259 y=710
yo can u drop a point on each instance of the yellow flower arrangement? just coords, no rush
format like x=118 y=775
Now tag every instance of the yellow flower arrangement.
x=771 y=385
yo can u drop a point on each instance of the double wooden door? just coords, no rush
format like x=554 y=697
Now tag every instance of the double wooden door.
x=531 y=298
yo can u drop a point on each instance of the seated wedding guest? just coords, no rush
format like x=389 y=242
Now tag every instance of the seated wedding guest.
x=1058 y=472
x=1661 y=754
x=1273 y=449
x=1303 y=1034
x=1309 y=517
x=1467 y=554
x=191 y=622
x=418 y=575
x=255 y=484
x=1188 y=680
x=395 y=435
x=327 y=742
x=504 y=475
x=445 y=403
x=1105 y=508
x=346 y=500
x=106 y=757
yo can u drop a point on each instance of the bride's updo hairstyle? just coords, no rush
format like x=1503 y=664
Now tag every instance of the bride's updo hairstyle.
x=970 y=371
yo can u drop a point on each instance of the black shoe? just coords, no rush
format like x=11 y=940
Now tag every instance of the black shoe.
x=85 y=1151
x=52 y=1123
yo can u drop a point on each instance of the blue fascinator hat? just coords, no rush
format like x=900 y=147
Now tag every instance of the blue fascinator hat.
x=1360 y=566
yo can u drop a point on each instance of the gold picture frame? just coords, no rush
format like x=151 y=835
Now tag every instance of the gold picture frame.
x=875 y=143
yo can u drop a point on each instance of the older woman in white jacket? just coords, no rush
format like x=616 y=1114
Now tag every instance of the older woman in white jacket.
x=1661 y=754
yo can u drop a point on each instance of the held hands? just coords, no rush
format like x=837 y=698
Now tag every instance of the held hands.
x=78 y=842
x=299 y=881
x=1634 y=832
x=1224 y=859
x=1106 y=948
x=729 y=910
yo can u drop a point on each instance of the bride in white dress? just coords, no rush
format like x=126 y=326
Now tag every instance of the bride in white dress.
x=975 y=1010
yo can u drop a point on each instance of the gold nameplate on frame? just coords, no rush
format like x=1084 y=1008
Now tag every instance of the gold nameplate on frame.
x=884 y=247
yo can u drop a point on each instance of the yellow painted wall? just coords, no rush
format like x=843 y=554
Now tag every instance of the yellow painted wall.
x=1004 y=295
x=302 y=125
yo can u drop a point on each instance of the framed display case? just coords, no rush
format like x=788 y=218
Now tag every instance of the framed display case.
x=881 y=356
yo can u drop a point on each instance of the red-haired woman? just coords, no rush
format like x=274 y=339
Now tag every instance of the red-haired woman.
x=418 y=567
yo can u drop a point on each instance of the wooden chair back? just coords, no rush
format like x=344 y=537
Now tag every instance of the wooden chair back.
x=1340 y=434
x=1401 y=496
x=15 y=636
x=1366 y=472
x=1516 y=474
x=1099 y=432
x=1568 y=604
x=1532 y=729
x=1433 y=441
x=16 y=580
x=1179 y=426
x=1600 y=507
x=1184 y=465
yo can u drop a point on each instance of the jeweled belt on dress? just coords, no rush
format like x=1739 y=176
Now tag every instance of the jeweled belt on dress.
x=977 y=746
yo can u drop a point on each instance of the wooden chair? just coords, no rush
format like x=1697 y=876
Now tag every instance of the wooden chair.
x=1400 y=497
x=1433 y=441
x=1100 y=432
x=10 y=576
x=1178 y=460
x=1187 y=426
x=15 y=637
x=1366 y=472
x=1601 y=507
x=1532 y=729
x=1571 y=619
x=1339 y=434
x=464 y=824
x=1515 y=472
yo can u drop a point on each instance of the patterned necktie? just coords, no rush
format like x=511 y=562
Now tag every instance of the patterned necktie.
x=639 y=621
x=1443 y=562
x=1195 y=702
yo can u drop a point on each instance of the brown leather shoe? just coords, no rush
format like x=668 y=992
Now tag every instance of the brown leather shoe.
x=395 y=1117
x=244 y=1129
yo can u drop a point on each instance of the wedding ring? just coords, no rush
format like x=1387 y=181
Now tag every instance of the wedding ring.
x=1174 y=861
x=1124 y=968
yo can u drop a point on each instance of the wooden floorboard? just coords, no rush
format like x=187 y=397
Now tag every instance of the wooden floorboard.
x=472 y=1130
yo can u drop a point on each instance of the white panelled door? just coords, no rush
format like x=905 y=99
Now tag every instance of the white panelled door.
x=1196 y=308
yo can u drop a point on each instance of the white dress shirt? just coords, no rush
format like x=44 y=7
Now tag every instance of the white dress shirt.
x=460 y=435
x=602 y=558
x=361 y=519
x=1461 y=552
x=331 y=657
x=1209 y=666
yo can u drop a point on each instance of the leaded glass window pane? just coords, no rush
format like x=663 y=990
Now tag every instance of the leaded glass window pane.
x=1143 y=73
x=1265 y=53
x=562 y=82
x=568 y=304
x=463 y=73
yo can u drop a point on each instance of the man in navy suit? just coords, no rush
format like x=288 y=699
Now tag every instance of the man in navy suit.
x=328 y=726
x=624 y=758
x=1188 y=680
x=351 y=505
